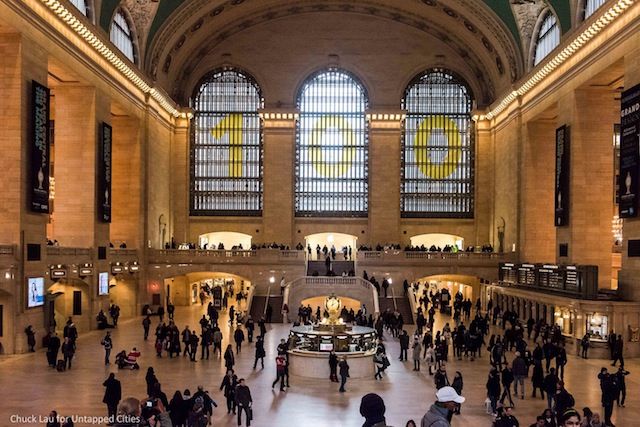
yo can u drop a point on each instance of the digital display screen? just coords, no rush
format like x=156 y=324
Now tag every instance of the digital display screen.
x=35 y=291
x=103 y=283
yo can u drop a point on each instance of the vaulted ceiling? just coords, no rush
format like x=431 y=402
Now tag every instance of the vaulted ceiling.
x=177 y=38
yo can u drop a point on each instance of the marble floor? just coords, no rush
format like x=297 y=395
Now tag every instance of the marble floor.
x=29 y=387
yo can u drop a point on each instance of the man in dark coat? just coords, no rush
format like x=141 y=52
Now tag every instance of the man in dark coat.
x=112 y=396
x=243 y=401
x=250 y=325
x=238 y=337
x=260 y=353
x=344 y=373
x=404 y=345
x=52 y=349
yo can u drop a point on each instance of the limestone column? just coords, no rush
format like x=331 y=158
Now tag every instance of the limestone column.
x=22 y=62
x=591 y=113
x=537 y=232
x=79 y=111
x=178 y=225
x=126 y=184
x=384 y=178
x=278 y=184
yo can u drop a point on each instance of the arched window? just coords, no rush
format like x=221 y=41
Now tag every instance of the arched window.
x=437 y=148
x=82 y=6
x=590 y=6
x=548 y=37
x=226 y=145
x=332 y=146
x=122 y=36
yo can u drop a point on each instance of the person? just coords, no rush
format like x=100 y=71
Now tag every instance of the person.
x=229 y=383
x=584 y=344
x=550 y=386
x=440 y=379
x=505 y=418
x=179 y=409
x=229 y=359
x=446 y=402
x=238 y=337
x=563 y=399
x=372 y=409
x=107 y=343
x=429 y=356
x=171 y=310
x=404 y=345
x=112 y=396
x=344 y=373
x=250 y=325
x=540 y=422
x=68 y=351
x=146 y=323
x=622 y=386
x=410 y=423
x=268 y=313
x=260 y=353
x=609 y=394
x=243 y=401
x=333 y=366
x=520 y=372
x=457 y=385
x=53 y=419
x=561 y=360
x=207 y=404
x=507 y=380
x=280 y=367
x=31 y=338
x=150 y=378
x=52 y=349
x=417 y=349
x=595 y=421
x=618 y=351
x=160 y=313
x=262 y=327
x=493 y=388
x=569 y=418
x=537 y=379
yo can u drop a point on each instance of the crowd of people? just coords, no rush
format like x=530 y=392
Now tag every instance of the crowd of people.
x=520 y=355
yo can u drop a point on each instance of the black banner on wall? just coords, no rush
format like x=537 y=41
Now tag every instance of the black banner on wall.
x=562 y=176
x=39 y=144
x=629 y=155
x=104 y=174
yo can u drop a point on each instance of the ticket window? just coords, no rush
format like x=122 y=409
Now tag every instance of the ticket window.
x=598 y=325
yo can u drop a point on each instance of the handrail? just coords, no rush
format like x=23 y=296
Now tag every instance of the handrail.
x=250 y=298
x=412 y=303
x=393 y=297
x=266 y=301
x=123 y=251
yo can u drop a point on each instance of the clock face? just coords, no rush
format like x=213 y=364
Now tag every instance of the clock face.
x=333 y=304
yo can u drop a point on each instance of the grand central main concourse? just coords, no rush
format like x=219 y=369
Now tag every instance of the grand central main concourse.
x=404 y=210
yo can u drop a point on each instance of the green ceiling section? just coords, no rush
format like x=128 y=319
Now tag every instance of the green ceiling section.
x=502 y=8
x=165 y=8
x=106 y=12
x=563 y=11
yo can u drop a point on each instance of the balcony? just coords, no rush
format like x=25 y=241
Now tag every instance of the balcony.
x=467 y=259
x=8 y=255
x=197 y=256
x=123 y=255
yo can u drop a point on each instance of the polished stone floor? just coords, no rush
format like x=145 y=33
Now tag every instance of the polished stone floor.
x=29 y=387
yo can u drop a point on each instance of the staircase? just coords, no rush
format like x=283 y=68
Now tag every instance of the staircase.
x=399 y=304
x=276 y=304
x=258 y=305
x=338 y=267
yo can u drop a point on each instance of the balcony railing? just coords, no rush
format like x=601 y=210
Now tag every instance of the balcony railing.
x=410 y=257
x=160 y=256
x=67 y=251
x=7 y=250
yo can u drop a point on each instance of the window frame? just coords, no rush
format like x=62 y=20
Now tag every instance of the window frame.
x=585 y=6
x=132 y=34
x=546 y=14
x=209 y=78
x=361 y=153
x=469 y=151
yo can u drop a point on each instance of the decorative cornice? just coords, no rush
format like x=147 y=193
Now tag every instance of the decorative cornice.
x=571 y=48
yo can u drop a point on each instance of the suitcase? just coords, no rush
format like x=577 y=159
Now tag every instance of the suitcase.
x=61 y=366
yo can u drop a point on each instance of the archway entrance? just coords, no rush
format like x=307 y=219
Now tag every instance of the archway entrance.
x=226 y=239
x=440 y=240
x=330 y=239
x=69 y=298
x=186 y=290
x=468 y=286
x=123 y=292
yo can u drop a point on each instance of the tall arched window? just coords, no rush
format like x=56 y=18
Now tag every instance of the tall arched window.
x=590 y=6
x=122 y=36
x=332 y=146
x=437 y=148
x=226 y=145
x=82 y=6
x=548 y=37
